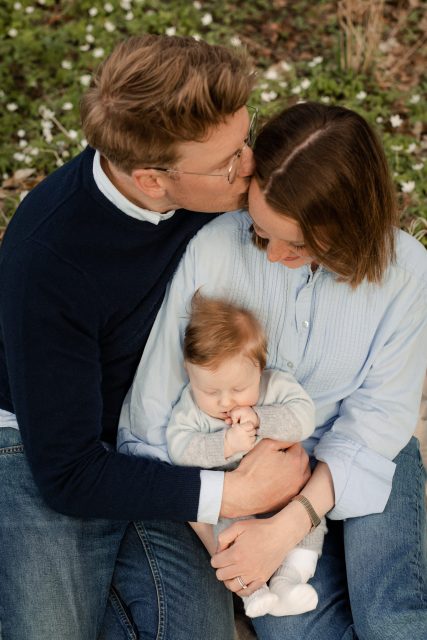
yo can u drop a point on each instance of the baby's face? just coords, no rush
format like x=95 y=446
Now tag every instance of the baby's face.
x=234 y=383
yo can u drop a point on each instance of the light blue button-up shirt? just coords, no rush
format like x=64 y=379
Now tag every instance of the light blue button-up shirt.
x=361 y=354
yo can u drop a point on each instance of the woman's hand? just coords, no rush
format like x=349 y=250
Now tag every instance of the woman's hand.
x=253 y=549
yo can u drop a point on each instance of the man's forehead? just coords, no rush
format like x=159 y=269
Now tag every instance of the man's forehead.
x=225 y=138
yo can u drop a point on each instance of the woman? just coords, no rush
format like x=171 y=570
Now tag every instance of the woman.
x=343 y=295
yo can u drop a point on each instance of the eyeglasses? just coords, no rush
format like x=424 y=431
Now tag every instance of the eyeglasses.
x=233 y=169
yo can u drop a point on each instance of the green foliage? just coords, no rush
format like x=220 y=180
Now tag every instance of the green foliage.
x=50 y=48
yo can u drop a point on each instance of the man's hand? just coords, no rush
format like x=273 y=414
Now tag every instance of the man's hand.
x=239 y=438
x=266 y=479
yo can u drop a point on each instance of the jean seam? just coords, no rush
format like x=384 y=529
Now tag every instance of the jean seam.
x=18 y=448
x=123 y=617
x=418 y=560
x=152 y=562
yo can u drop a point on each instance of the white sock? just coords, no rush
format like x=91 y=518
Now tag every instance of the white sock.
x=259 y=602
x=289 y=584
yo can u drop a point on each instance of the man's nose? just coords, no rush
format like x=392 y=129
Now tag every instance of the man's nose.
x=247 y=163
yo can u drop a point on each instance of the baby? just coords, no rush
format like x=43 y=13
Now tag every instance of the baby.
x=230 y=403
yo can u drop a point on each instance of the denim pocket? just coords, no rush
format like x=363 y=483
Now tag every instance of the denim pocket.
x=17 y=448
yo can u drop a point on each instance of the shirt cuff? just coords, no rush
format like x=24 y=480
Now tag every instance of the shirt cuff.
x=362 y=478
x=211 y=487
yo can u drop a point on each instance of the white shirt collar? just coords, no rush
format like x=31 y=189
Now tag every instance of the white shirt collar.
x=107 y=188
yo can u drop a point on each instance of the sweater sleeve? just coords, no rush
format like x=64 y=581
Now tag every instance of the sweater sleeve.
x=51 y=318
x=287 y=412
x=189 y=441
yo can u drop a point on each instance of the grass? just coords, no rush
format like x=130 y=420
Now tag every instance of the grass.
x=302 y=51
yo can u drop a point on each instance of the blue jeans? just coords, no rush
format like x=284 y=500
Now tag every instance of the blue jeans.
x=372 y=576
x=56 y=571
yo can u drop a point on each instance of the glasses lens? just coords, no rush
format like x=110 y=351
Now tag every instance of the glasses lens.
x=252 y=128
x=234 y=166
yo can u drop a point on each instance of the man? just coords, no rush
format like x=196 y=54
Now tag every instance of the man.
x=83 y=269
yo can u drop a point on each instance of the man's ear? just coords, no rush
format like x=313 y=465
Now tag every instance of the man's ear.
x=149 y=182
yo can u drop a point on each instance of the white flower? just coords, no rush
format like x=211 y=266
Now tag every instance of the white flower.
x=28 y=159
x=361 y=95
x=207 y=19
x=83 y=143
x=268 y=96
x=19 y=156
x=296 y=89
x=379 y=120
x=109 y=26
x=412 y=148
x=396 y=147
x=418 y=166
x=12 y=106
x=89 y=38
x=98 y=52
x=407 y=187
x=65 y=154
x=66 y=64
x=17 y=6
x=29 y=9
x=23 y=143
x=196 y=37
x=12 y=33
x=305 y=83
x=235 y=41
x=42 y=2
x=67 y=106
x=72 y=134
x=415 y=99
x=170 y=31
x=85 y=79
x=396 y=120
x=283 y=84
x=20 y=133
x=325 y=99
x=59 y=162
x=271 y=74
x=84 y=47
x=89 y=28
x=47 y=125
x=93 y=11
x=126 y=5
x=35 y=151
x=197 y=4
x=23 y=193
x=285 y=66
x=317 y=60
x=108 y=7
x=129 y=16
x=46 y=113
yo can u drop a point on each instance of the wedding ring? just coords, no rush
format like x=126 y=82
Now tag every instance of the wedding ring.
x=240 y=581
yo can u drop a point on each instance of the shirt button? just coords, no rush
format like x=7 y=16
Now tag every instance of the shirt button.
x=305 y=324
x=290 y=365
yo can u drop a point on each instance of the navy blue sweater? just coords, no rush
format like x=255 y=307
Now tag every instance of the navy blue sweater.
x=80 y=285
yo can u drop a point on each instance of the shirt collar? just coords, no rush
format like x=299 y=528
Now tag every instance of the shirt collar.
x=108 y=189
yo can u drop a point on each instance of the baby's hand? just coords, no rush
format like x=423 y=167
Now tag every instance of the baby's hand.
x=239 y=438
x=243 y=414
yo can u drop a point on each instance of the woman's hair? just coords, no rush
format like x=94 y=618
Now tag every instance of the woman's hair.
x=154 y=92
x=218 y=330
x=324 y=167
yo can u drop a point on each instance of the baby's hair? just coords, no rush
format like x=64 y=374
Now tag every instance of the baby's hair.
x=218 y=330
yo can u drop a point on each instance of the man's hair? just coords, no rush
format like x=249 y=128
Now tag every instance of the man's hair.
x=219 y=330
x=324 y=167
x=154 y=92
